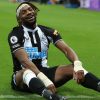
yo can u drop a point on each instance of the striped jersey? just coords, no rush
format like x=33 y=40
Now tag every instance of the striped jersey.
x=35 y=42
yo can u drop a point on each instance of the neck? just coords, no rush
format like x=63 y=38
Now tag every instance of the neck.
x=30 y=25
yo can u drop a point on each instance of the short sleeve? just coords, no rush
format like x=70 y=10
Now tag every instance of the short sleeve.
x=55 y=36
x=52 y=34
x=15 y=40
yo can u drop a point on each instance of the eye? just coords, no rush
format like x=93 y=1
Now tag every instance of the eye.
x=30 y=9
x=23 y=12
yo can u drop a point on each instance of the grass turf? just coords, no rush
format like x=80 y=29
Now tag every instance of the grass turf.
x=80 y=28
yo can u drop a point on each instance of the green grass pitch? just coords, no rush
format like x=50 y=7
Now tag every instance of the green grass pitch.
x=80 y=28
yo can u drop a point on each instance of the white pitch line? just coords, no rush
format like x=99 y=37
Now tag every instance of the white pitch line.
x=34 y=96
x=19 y=96
x=83 y=97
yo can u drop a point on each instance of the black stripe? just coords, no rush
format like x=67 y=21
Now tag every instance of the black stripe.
x=32 y=40
x=37 y=62
x=38 y=41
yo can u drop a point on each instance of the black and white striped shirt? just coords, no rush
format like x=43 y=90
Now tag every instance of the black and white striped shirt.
x=35 y=42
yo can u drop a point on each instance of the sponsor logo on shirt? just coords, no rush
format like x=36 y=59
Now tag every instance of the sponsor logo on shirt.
x=34 y=54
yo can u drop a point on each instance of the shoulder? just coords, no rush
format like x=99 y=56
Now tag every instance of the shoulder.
x=46 y=29
x=16 y=31
x=49 y=31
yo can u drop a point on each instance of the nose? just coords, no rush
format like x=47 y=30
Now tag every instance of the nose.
x=29 y=12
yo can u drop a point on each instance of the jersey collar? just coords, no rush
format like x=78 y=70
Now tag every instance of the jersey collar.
x=30 y=30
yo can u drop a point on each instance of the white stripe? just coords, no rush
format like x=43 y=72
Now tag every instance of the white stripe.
x=34 y=96
x=18 y=49
x=34 y=39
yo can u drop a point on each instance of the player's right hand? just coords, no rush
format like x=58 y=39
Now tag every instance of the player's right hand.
x=52 y=88
x=79 y=76
x=47 y=82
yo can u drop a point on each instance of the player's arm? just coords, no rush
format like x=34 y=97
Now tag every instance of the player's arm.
x=69 y=53
x=79 y=71
x=22 y=56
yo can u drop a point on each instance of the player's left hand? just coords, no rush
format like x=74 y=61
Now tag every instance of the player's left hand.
x=79 y=76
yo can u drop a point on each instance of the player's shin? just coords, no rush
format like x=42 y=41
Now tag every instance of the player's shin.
x=37 y=86
x=30 y=79
x=92 y=82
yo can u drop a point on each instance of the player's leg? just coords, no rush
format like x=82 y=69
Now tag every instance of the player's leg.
x=92 y=82
x=59 y=74
x=26 y=80
x=65 y=73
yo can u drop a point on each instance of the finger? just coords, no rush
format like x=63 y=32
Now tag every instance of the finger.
x=80 y=77
x=74 y=76
x=52 y=88
x=80 y=74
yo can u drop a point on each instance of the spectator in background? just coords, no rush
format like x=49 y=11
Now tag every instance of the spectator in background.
x=19 y=0
x=56 y=1
x=41 y=1
x=72 y=3
x=84 y=3
x=52 y=1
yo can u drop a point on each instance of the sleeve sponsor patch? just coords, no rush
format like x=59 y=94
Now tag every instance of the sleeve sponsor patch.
x=15 y=46
x=13 y=39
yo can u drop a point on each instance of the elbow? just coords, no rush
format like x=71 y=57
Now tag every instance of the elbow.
x=24 y=63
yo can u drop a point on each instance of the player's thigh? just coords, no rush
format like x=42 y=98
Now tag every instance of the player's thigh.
x=17 y=82
x=19 y=77
x=64 y=71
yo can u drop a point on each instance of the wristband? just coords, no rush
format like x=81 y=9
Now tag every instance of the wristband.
x=78 y=66
x=44 y=79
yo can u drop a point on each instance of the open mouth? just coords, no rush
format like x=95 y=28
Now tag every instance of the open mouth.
x=30 y=18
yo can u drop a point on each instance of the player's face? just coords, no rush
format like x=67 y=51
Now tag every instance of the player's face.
x=27 y=14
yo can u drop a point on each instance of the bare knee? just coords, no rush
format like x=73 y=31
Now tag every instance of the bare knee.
x=19 y=76
x=64 y=71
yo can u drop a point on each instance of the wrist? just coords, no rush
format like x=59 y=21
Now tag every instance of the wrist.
x=77 y=65
x=44 y=79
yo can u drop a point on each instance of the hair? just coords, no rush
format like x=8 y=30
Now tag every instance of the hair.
x=30 y=4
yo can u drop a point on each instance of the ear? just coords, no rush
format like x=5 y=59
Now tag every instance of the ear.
x=19 y=20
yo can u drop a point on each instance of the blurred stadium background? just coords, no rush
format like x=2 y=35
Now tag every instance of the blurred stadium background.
x=80 y=28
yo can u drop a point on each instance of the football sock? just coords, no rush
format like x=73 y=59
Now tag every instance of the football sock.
x=40 y=89
x=36 y=86
x=92 y=82
x=98 y=87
